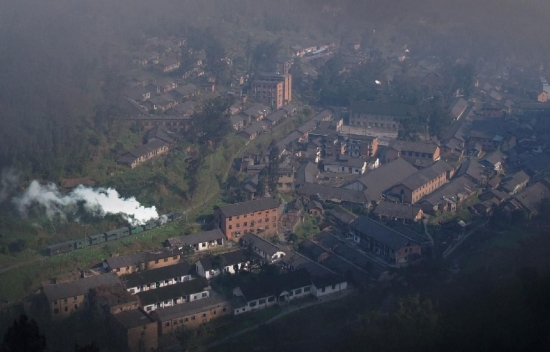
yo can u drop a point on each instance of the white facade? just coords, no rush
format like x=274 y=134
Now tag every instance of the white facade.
x=271 y=258
x=176 y=301
x=203 y=246
x=344 y=169
x=158 y=284
x=208 y=274
x=321 y=291
x=269 y=301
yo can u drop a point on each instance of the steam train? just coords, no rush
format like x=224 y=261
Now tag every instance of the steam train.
x=109 y=236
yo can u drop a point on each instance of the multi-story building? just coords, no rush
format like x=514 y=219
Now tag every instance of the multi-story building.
x=359 y=145
x=152 y=279
x=423 y=182
x=249 y=217
x=69 y=297
x=143 y=260
x=378 y=115
x=135 y=331
x=396 y=247
x=273 y=89
x=171 y=295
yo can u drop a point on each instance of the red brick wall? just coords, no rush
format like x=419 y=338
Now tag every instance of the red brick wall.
x=249 y=222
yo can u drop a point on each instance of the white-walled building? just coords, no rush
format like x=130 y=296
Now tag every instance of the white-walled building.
x=267 y=250
x=321 y=286
x=201 y=241
x=232 y=262
x=156 y=278
x=172 y=295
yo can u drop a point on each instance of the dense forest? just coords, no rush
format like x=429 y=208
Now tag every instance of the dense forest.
x=63 y=60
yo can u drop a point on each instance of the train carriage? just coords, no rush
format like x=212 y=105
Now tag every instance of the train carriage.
x=96 y=239
x=124 y=232
x=151 y=225
x=59 y=248
x=175 y=216
x=136 y=229
x=112 y=235
x=79 y=244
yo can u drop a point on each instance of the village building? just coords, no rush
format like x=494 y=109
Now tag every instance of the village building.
x=345 y=164
x=254 y=216
x=375 y=182
x=172 y=295
x=458 y=108
x=140 y=261
x=330 y=194
x=315 y=209
x=378 y=115
x=448 y=197
x=254 y=130
x=142 y=154
x=515 y=183
x=398 y=211
x=146 y=280
x=167 y=65
x=71 y=297
x=473 y=170
x=398 y=249
x=175 y=123
x=274 y=90
x=528 y=200
x=201 y=241
x=231 y=262
x=421 y=183
x=135 y=331
x=192 y=314
x=265 y=249
x=357 y=145
x=328 y=284
x=114 y=299
x=278 y=290
x=416 y=153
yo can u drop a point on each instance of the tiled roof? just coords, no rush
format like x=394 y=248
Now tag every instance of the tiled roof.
x=249 y=207
x=381 y=233
x=173 y=291
x=365 y=107
x=154 y=275
x=230 y=258
x=79 y=287
x=190 y=308
x=196 y=238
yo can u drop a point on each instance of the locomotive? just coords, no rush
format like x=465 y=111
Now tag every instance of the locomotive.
x=110 y=236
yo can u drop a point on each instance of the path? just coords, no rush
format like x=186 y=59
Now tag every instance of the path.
x=18 y=265
x=287 y=310
x=450 y=250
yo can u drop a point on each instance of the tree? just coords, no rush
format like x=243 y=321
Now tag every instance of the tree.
x=262 y=182
x=219 y=263
x=23 y=336
x=211 y=121
x=273 y=170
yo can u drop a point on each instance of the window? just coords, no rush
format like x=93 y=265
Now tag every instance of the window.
x=148 y=309
x=245 y=224
x=262 y=301
x=56 y=311
x=66 y=309
x=195 y=297
x=224 y=309
x=175 y=257
x=298 y=291
x=165 y=260
x=323 y=289
x=204 y=315
x=274 y=218
x=252 y=304
x=204 y=294
x=267 y=227
x=175 y=322
x=214 y=312
x=156 y=261
x=238 y=217
x=291 y=293
x=259 y=221
x=230 y=227
x=186 y=319
x=333 y=287
x=266 y=219
x=192 y=317
x=245 y=216
x=65 y=300
x=230 y=218
x=306 y=289
x=55 y=302
x=167 y=324
x=76 y=306
x=238 y=225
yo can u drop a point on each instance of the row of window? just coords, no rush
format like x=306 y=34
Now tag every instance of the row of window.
x=417 y=154
x=259 y=221
x=66 y=309
x=258 y=213
x=192 y=317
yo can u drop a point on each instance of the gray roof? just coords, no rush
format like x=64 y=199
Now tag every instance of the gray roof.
x=495 y=157
x=366 y=107
x=531 y=197
x=187 y=89
x=146 y=148
x=342 y=215
x=454 y=191
x=198 y=306
x=133 y=259
x=323 y=115
x=173 y=291
x=422 y=177
x=459 y=107
x=249 y=207
x=297 y=261
x=308 y=126
x=276 y=116
x=154 y=275
x=256 y=110
x=79 y=287
x=332 y=193
x=160 y=132
x=275 y=285
x=397 y=210
x=306 y=173
x=133 y=318
x=382 y=233
x=345 y=161
x=379 y=180
x=231 y=258
x=417 y=147
x=290 y=107
x=292 y=136
x=256 y=127
x=260 y=243
x=196 y=238
x=361 y=137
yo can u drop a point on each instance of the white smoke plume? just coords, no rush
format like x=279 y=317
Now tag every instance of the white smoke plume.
x=9 y=179
x=99 y=202
x=163 y=219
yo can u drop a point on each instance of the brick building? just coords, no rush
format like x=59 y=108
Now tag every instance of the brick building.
x=273 y=89
x=249 y=217
x=139 y=261
x=414 y=152
x=191 y=314
x=135 y=331
x=70 y=297
x=359 y=145
x=378 y=115
x=423 y=182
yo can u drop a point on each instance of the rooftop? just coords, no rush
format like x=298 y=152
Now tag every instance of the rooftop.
x=196 y=238
x=275 y=285
x=154 y=275
x=263 y=245
x=382 y=233
x=133 y=318
x=366 y=107
x=249 y=207
x=397 y=210
x=230 y=258
x=190 y=308
x=422 y=177
x=79 y=287
x=330 y=193
x=173 y=291
x=417 y=147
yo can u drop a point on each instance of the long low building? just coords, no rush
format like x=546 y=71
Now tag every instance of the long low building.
x=172 y=295
x=142 y=153
x=156 y=278
x=191 y=314
x=201 y=241
x=331 y=194
x=231 y=262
